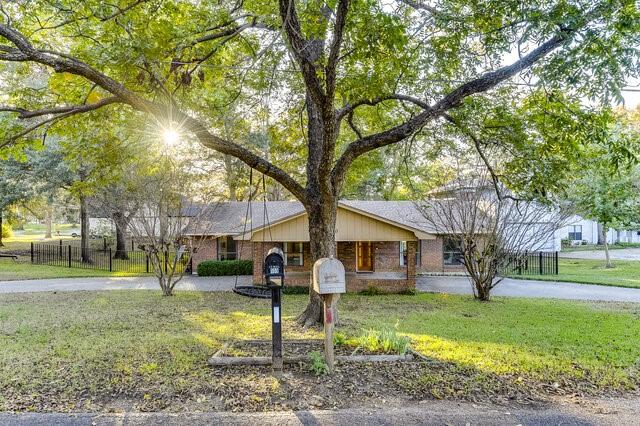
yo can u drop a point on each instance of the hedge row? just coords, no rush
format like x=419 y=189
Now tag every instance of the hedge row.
x=217 y=268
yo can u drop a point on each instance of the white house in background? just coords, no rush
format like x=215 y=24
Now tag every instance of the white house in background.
x=579 y=229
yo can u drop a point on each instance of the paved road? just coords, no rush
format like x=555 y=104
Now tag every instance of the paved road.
x=531 y=288
x=617 y=412
x=449 y=284
x=120 y=283
x=616 y=254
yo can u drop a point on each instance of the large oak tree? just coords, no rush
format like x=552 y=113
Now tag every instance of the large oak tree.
x=340 y=78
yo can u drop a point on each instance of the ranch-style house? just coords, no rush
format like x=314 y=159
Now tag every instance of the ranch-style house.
x=382 y=244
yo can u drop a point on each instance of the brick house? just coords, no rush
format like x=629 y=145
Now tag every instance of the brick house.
x=382 y=244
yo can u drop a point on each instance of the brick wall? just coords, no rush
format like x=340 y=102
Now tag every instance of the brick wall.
x=207 y=250
x=432 y=257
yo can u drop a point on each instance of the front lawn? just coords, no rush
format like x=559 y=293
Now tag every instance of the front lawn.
x=137 y=350
x=24 y=270
x=626 y=273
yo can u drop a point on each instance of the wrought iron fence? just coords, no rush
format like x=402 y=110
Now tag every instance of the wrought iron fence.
x=129 y=261
x=531 y=263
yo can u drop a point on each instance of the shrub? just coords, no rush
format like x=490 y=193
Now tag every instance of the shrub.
x=318 y=366
x=218 y=268
x=411 y=291
x=372 y=291
x=295 y=289
x=7 y=232
x=339 y=339
x=385 y=340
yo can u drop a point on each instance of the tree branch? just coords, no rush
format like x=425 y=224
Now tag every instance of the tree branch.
x=305 y=51
x=66 y=63
x=349 y=108
x=334 y=52
x=481 y=84
x=74 y=109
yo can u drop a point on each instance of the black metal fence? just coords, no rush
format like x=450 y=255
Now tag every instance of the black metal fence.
x=136 y=261
x=531 y=263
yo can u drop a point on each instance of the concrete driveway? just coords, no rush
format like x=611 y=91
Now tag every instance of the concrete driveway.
x=120 y=283
x=616 y=254
x=530 y=288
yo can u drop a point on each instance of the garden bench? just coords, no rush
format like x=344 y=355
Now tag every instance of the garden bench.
x=12 y=256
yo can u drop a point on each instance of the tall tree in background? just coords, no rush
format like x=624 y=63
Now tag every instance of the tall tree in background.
x=361 y=75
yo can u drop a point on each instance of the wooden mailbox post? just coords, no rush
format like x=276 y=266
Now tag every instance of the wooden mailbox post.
x=329 y=281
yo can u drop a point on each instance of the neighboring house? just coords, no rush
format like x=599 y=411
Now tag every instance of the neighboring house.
x=382 y=244
x=585 y=231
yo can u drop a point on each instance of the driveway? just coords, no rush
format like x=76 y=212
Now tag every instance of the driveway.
x=616 y=254
x=121 y=283
x=531 y=288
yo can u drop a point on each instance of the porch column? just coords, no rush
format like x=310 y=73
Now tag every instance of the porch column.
x=411 y=259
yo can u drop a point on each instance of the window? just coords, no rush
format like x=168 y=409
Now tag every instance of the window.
x=403 y=253
x=575 y=232
x=293 y=254
x=227 y=248
x=452 y=251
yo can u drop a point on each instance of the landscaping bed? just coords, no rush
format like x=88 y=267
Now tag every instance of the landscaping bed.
x=139 y=351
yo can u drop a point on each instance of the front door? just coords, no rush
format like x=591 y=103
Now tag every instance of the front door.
x=364 y=255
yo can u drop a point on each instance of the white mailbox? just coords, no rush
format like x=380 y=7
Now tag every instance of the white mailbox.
x=328 y=276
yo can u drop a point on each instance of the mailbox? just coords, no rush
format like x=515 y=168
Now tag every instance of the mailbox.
x=274 y=268
x=328 y=276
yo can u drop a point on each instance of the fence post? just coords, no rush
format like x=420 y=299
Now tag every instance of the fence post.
x=191 y=265
x=69 y=251
x=110 y=260
x=555 y=261
x=540 y=263
x=147 y=261
x=31 y=251
x=132 y=245
x=60 y=248
x=166 y=262
x=104 y=243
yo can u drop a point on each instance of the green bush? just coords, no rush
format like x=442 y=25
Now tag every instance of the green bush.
x=7 y=232
x=295 y=289
x=372 y=291
x=411 y=291
x=386 y=340
x=218 y=268
x=318 y=366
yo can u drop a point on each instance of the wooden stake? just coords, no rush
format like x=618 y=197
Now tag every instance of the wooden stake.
x=330 y=301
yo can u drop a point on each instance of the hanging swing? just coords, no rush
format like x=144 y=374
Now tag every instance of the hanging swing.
x=258 y=291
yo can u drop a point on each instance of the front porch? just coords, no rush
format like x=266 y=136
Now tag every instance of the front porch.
x=377 y=264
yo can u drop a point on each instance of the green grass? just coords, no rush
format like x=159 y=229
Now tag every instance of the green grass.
x=90 y=350
x=24 y=270
x=625 y=273
x=587 y=247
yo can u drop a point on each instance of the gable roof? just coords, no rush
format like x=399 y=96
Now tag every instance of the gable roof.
x=229 y=218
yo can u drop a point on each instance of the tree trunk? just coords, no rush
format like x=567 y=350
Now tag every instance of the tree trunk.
x=48 y=219
x=1 y=243
x=84 y=232
x=601 y=234
x=608 y=263
x=322 y=241
x=121 y=236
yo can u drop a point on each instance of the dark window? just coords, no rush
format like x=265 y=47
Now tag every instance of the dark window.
x=403 y=253
x=575 y=232
x=452 y=251
x=227 y=248
x=293 y=254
